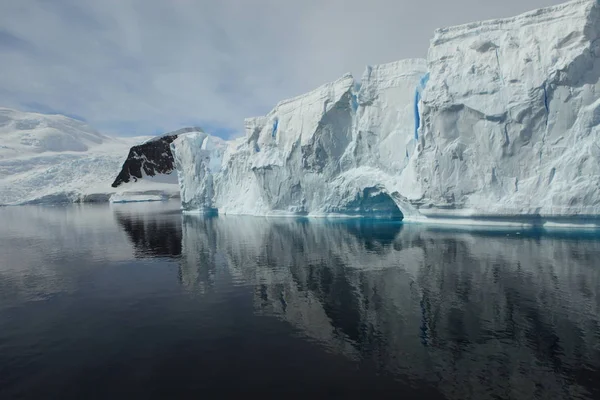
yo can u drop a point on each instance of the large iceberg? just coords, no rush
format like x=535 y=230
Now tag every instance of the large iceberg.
x=500 y=120
x=510 y=116
x=202 y=153
x=339 y=149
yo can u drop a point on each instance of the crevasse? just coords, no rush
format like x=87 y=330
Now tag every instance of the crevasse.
x=418 y=91
x=275 y=126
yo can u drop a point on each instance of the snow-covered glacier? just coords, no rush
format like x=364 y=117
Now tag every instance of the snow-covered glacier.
x=57 y=159
x=500 y=120
x=54 y=158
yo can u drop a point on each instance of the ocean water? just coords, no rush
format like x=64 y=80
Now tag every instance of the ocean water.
x=139 y=301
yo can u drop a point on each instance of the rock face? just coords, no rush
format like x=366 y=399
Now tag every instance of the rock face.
x=151 y=158
x=501 y=120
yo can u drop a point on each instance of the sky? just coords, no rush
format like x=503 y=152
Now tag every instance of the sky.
x=140 y=67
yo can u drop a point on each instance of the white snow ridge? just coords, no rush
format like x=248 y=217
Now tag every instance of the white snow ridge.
x=501 y=120
x=53 y=158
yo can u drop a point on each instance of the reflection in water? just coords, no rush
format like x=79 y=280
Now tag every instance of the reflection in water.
x=138 y=299
x=151 y=233
x=475 y=315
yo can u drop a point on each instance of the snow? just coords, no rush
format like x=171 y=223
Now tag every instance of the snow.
x=137 y=197
x=500 y=121
x=25 y=134
x=53 y=158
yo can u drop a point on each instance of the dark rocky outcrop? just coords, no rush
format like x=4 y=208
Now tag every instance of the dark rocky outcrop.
x=150 y=158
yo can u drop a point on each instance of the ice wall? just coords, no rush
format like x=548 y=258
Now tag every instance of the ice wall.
x=198 y=157
x=331 y=151
x=510 y=116
x=500 y=121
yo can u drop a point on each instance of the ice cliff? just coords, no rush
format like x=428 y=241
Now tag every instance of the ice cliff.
x=500 y=120
x=338 y=149
x=510 y=116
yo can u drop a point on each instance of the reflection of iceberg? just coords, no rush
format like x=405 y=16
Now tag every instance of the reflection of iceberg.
x=477 y=316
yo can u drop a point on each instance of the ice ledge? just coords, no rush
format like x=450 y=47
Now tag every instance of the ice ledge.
x=342 y=84
x=399 y=68
x=578 y=9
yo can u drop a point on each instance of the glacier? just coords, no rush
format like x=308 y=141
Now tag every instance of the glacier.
x=500 y=121
x=510 y=117
x=57 y=159
x=331 y=151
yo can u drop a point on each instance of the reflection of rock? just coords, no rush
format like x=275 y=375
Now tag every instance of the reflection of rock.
x=152 y=230
x=477 y=316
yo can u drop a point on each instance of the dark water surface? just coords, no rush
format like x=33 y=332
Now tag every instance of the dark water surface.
x=138 y=301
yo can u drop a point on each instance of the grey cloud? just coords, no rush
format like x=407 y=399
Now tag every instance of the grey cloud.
x=138 y=66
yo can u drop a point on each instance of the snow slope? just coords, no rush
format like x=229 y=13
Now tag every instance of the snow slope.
x=501 y=120
x=53 y=158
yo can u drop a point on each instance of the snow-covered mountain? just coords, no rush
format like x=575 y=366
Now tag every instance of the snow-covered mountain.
x=53 y=158
x=27 y=134
x=500 y=120
x=57 y=159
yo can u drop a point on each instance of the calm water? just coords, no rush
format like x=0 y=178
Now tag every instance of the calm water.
x=138 y=301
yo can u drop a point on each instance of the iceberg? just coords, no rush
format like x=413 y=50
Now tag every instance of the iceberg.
x=510 y=117
x=204 y=154
x=500 y=121
x=333 y=151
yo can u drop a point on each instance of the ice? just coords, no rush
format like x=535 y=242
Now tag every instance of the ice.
x=501 y=120
x=56 y=159
x=418 y=91
x=198 y=157
x=334 y=152
x=134 y=197
x=509 y=117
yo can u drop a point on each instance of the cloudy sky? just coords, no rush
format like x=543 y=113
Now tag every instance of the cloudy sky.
x=148 y=66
